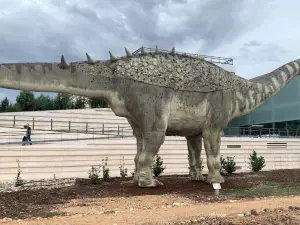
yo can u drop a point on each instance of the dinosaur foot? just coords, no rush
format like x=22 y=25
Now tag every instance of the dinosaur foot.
x=214 y=178
x=135 y=179
x=197 y=176
x=149 y=183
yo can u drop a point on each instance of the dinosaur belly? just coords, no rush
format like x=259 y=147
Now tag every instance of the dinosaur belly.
x=188 y=115
x=184 y=130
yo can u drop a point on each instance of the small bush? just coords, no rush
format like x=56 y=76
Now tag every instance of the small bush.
x=105 y=170
x=123 y=170
x=19 y=180
x=157 y=167
x=94 y=174
x=133 y=172
x=227 y=165
x=256 y=163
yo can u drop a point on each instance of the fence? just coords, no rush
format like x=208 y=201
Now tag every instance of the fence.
x=62 y=128
x=261 y=132
x=57 y=124
x=121 y=128
x=14 y=137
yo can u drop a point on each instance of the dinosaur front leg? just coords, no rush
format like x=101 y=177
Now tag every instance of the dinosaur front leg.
x=151 y=143
x=194 y=144
x=212 y=140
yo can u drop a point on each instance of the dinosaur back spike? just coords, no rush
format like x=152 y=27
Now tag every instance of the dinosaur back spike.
x=112 y=57
x=128 y=53
x=63 y=63
x=89 y=59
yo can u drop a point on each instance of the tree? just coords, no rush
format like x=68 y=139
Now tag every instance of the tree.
x=4 y=105
x=97 y=103
x=62 y=101
x=13 y=108
x=80 y=103
x=25 y=100
x=43 y=102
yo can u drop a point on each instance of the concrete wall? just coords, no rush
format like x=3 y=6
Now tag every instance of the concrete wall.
x=75 y=159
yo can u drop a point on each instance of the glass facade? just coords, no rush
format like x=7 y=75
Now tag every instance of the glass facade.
x=282 y=111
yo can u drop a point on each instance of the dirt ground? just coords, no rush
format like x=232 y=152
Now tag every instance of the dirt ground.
x=250 y=198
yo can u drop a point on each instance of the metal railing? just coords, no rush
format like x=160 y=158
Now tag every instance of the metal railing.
x=214 y=59
x=260 y=132
x=58 y=130
x=56 y=124
x=59 y=136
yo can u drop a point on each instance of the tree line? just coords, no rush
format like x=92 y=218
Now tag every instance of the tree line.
x=27 y=101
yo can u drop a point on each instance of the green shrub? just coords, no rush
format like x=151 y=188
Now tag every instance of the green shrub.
x=133 y=172
x=19 y=181
x=94 y=174
x=256 y=163
x=227 y=165
x=123 y=170
x=105 y=170
x=157 y=167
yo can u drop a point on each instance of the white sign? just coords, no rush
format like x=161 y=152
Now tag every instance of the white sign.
x=216 y=186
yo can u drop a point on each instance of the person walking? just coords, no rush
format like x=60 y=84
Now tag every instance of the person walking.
x=28 y=134
x=24 y=140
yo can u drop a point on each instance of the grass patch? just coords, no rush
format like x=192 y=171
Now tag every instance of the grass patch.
x=266 y=188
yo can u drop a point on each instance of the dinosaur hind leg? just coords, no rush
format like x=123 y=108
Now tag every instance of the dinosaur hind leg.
x=152 y=141
x=139 y=144
x=212 y=140
x=194 y=144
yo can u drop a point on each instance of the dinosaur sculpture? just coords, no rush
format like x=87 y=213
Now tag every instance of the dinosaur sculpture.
x=160 y=94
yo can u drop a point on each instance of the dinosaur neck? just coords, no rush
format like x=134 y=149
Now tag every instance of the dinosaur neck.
x=78 y=78
x=255 y=92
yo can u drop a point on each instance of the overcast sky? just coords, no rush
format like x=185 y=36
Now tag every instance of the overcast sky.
x=260 y=35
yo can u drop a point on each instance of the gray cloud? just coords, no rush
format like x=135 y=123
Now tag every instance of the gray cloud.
x=213 y=22
x=261 y=53
x=252 y=43
x=42 y=30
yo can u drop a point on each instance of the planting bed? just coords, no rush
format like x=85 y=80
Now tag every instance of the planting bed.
x=272 y=196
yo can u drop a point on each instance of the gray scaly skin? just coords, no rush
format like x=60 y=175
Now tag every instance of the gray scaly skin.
x=160 y=94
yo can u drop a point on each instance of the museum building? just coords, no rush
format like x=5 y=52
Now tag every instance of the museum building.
x=279 y=114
